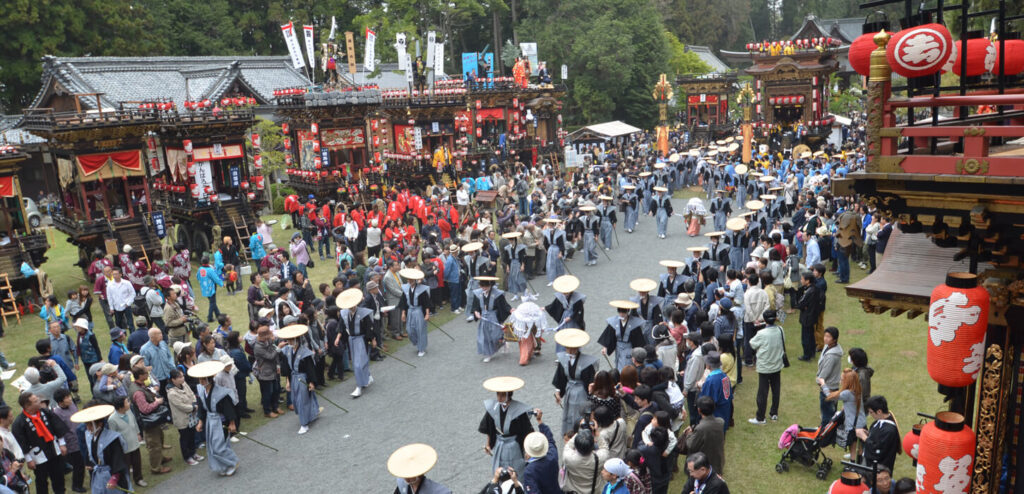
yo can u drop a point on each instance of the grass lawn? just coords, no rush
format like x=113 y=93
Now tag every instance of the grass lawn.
x=19 y=343
x=896 y=350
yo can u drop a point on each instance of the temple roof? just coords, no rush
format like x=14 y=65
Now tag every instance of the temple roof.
x=707 y=55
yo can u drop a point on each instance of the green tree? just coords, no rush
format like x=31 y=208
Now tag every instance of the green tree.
x=681 y=61
x=722 y=24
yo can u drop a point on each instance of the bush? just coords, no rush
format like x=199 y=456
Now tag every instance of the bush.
x=280 y=190
x=278 y=205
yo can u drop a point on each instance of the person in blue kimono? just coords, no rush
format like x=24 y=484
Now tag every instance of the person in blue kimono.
x=415 y=307
x=630 y=200
x=209 y=279
x=298 y=368
x=591 y=229
x=573 y=375
x=356 y=323
x=554 y=245
x=505 y=423
x=218 y=417
x=670 y=283
x=513 y=257
x=649 y=307
x=608 y=220
x=410 y=464
x=622 y=334
x=737 y=239
x=721 y=208
x=476 y=265
x=644 y=190
x=661 y=209
x=104 y=451
x=490 y=309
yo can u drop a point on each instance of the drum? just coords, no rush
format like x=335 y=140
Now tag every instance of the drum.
x=510 y=334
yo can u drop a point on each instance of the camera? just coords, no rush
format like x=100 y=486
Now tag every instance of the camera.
x=504 y=475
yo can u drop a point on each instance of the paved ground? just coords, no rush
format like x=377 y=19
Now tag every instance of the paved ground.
x=439 y=402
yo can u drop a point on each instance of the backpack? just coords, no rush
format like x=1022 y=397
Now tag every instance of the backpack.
x=675 y=396
x=140 y=307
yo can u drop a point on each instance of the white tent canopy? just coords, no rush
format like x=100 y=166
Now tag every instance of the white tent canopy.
x=603 y=131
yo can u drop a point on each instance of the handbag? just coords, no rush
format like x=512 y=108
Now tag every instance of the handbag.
x=788 y=282
x=785 y=357
x=310 y=264
x=156 y=418
x=193 y=417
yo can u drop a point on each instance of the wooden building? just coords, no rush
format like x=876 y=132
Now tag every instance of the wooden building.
x=707 y=106
x=20 y=240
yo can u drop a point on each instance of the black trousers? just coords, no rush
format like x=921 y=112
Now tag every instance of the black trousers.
x=691 y=405
x=187 y=442
x=50 y=472
x=749 y=331
x=765 y=381
x=77 y=461
x=270 y=393
x=807 y=339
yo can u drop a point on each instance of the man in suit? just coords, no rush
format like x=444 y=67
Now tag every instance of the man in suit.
x=392 y=296
x=708 y=436
x=703 y=477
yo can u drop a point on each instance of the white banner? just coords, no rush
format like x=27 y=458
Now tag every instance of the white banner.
x=429 y=60
x=565 y=71
x=418 y=137
x=204 y=178
x=408 y=67
x=438 y=59
x=334 y=27
x=290 y=39
x=403 y=63
x=530 y=53
x=368 y=56
x=307 y=32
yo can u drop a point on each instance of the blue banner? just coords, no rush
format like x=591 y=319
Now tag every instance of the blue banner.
x=325 y=157
x=158 y=224
x=236 y=176
x=469 y=65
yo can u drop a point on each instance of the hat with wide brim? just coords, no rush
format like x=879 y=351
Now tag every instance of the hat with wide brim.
x=754 y=205
x=485 y=278
x=713 y=152
x=92 y=414
x=805 y=155
x=683 y=299
x=714 y=234
x=774 y=188
x=659 y=166
x=292 y=331
x=697 y=248
x=769 y=197
x=504 y=384
x=572 y=338
x=818 y=153
x=767 y=179
x=756 y=174
x=661 y=189
x=729 y=139
x=695 y=152
x=605 y=198
x=674 y=157
x=546 y=220
x=411 y=274
x=736 y=224
x=734 y=146
x=624 y=304
x=566 y=283
x=206 y=369
x=587 y=209
x=412 y=460
x=721 y=142
x=643 y=285
x=629 y=187
x=511 y=235
x=349 y=298
x=671 y=263
x=472 y=247
x=741 y=169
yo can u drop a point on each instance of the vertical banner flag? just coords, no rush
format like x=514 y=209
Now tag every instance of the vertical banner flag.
x=293 y=45
x=350 y=50
x=438 y=59
x=334 y=27
x=307 y=31
x=368 y=56
x=468 y=65
x=565 y=71
x=530 y=52
x=428 y=62
x=400 y=49
x=489 y=58
x=408 y=67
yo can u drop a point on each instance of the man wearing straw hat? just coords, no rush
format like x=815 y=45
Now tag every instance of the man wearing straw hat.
x=649 y=307
x=607 y=213
x=670 y=283
x=721 y=208
x=104 y=451
x=513 y=257
x=410 y=464
x=591 y=229
x=738 y=240
x=298 y=368
x=629 y=200
x=505 y=423
x=573 y=375
x=567 y=307
x=415 y=307
x=216 y=414
x=554 y=244
x=490 y=309
x=358 y=325
x=661 y=209
x=476 y=265
x=623 y=333
x=716 y=256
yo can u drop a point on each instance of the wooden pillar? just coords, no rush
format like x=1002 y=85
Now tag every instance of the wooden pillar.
x=879 y=89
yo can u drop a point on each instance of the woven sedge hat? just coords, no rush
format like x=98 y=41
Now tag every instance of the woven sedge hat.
x=412 y=460
x=411 y=274
x=769 y=197
x=714 y=234
x=645 y=174
x=754 y=205
x=512 y=235
x=697 y=248
x=504 y=384
x=292 y=331
x=661 y=189
x=624 y=304
x=659 y=166
x=472 y=247
x=485 y=278
x=643 y=285
x=741 y=169
x=566 y=283
x=349 y=298
x=206 y=369
x=92 y=414
x=736 y=224
x=671 y=263
x=572 y=338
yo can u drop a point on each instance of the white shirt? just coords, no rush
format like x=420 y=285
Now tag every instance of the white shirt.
x=120 y=295
x=372 y=236
x=462 y=197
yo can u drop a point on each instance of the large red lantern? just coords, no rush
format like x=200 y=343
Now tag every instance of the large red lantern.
x=257 y=161
x=981 y=56
x=316 y=146
x=1015 y=57
x=957 y=320
x=287 y=143
x=919 y=51
x=946 y=455
x=848 y=483
x=284 y=128
x=314 y=128
x=912 y=441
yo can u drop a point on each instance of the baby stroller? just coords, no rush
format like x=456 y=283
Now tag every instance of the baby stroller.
x=804 y=445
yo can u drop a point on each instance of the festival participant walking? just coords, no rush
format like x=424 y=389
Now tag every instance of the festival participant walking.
x=567 y=307
x=661 y=209
x=217 y=417
x=514 y=260
x=649 y=307
x=554 y=244
x=298 y=369
x=409 y=465
x=573 y=375
x=104 y=451
x=622 y=333
x=607 y=213
x=505 y=424
x=415 y=307
x=490 y=309
x=629 y=199
x=770 y=345
x=591 y=229
x=209 y=279
x=358 y=324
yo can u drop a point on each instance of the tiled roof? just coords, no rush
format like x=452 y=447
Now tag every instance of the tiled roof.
x=846 y=29
x=708 y=56
x=146 y=78
x=388 y=77
x=10 y=134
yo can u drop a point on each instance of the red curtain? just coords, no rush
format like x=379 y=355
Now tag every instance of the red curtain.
x=491 y=113
x=7 y=186
x=129 y=160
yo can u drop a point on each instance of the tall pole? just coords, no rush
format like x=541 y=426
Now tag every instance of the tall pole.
x=662 y=94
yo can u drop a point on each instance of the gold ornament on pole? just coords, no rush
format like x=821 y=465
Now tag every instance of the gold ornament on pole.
x=746 y=98
x=662 y=94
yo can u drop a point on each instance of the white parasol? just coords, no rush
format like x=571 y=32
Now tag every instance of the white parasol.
x=696 y=206
x=525 y=317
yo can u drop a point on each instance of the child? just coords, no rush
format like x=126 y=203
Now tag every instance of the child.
x=230 y=278
x=64 y=407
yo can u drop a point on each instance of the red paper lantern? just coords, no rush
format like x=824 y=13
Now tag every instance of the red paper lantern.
x=251 y=196
x=957 y=320
x=256 y=140
x=848 y=483
x=478 y=104
x=945 y=456
x=1015 y=57
x=288 y=160
x=259 y=182
x=919 y=51
x=192 y=170
x=981 y=56
x=317 y=163
x=314 y=128
x=860 y=53
x=316 y=146
x=287 y=143
x=187 y=145
x=912 y=440
x=195 y=190
x=257 y=161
